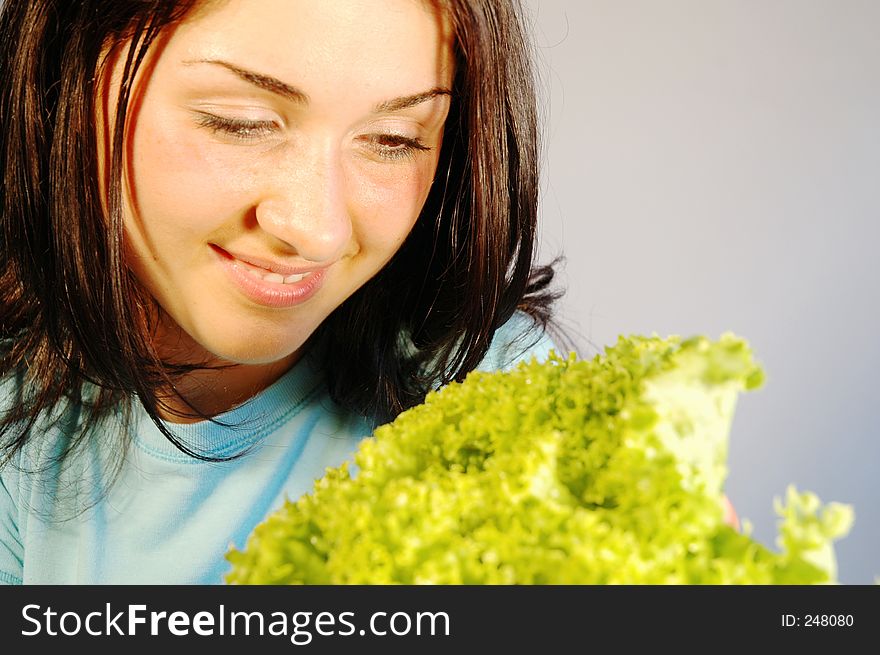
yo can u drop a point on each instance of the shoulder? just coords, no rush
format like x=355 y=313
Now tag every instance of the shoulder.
x=11 y=554
x=520 y=339
x=35 y=444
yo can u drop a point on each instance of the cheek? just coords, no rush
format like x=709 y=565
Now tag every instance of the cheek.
x=176 y=190
x=389 y=206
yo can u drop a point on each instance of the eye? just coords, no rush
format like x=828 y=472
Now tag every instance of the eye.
x=239 y=128
x=394 y=146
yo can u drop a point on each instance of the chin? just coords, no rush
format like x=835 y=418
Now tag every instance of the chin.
x=253 y=350
x=259 y=354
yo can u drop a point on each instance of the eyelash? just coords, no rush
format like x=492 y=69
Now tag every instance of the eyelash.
x=400 y=147
x=241 y=129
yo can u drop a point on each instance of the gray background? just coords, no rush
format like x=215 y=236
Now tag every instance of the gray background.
x=712 y=165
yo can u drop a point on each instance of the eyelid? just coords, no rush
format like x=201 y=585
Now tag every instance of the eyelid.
x=406 y=148
x=395 y=128
x=414 y=142
x=243 y=129
x=236 y=107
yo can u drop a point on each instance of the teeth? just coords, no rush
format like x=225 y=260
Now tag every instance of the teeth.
x=276 y=277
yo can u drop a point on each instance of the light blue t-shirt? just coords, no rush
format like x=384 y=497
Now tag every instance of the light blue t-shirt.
x=169 y=518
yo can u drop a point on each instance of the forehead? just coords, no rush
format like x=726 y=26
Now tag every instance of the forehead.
x=405 y=44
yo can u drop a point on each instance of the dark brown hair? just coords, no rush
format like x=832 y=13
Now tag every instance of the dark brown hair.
x=73 y=318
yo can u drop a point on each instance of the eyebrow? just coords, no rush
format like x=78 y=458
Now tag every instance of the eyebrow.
x=410 y=101
x=276 y=86
x=264 y=82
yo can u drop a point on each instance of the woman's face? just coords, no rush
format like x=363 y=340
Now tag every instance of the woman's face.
x=278 y=154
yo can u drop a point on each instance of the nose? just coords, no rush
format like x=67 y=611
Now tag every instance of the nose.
x=304 y=205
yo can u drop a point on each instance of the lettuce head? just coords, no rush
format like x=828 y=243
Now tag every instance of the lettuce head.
x=601 y=471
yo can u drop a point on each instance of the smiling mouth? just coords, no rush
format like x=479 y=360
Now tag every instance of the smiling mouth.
x=281 y=288
x=269 y=276
x=264 y=270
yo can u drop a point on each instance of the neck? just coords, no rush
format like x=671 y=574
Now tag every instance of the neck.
x=214 y=392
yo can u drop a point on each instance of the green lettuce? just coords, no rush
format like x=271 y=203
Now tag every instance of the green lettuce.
x=602 y=471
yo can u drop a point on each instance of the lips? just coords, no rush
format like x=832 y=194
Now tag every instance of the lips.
x=268 y=283
x=275 y=278
x=266 y=266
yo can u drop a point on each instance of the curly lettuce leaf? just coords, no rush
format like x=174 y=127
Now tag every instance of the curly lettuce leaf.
x=602 y=471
